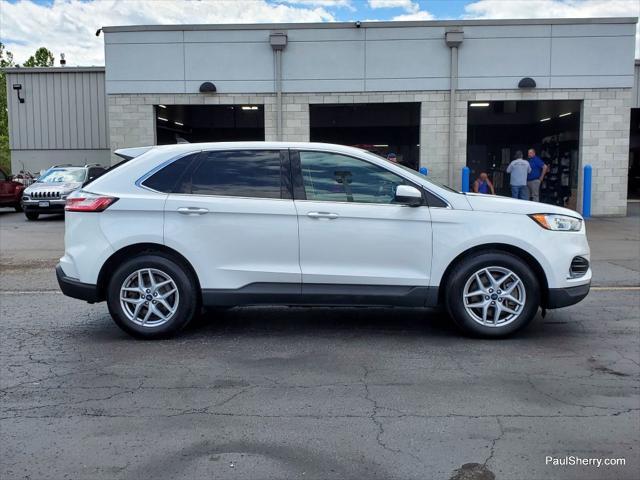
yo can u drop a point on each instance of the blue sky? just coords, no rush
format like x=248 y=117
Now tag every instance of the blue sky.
x=69 y=26
x=361 y=9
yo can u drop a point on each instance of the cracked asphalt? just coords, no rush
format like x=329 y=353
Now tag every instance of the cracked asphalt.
x=278 y=393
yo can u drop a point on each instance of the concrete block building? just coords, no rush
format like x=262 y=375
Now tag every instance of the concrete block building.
x=439 y=94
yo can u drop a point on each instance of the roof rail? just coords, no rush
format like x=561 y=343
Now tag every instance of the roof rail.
x=92 y=165
x=62 y=165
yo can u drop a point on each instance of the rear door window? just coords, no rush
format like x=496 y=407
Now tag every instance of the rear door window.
x=240 y=173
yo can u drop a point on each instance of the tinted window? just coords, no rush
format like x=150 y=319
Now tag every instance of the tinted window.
x=166 y=179
x=3 y=177
x=240 y=173
x=95 y=172
x=337 y=178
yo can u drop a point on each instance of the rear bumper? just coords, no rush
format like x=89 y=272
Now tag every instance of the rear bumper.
x=76 y=289
x=563 y=297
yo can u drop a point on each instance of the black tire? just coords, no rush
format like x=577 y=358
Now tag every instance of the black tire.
x=18 y=207
x=31 y=216
x=188 y=304
x=466 y=269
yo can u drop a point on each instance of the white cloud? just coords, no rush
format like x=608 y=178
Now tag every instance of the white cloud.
x=555 y=9
x=419 y=15
x=406 y=5
x=322 y=3
x=69 y=26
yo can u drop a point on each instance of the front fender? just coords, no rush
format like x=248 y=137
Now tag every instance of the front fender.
x=457 y=231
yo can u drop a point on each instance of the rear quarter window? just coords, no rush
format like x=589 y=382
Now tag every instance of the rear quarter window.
x=168 y=178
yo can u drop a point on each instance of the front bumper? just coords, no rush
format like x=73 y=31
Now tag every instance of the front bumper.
x=72 y=287
x=563 y=297
x=56 y=205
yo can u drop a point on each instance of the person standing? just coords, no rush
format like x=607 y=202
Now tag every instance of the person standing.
x=519 y=169
x=483 y=185
x=392 y=157
x=535 y=177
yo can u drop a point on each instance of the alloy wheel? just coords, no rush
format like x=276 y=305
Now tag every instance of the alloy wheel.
x=494 y=296
x=149 y=297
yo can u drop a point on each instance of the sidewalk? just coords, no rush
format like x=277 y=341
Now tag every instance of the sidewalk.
x=615 y=249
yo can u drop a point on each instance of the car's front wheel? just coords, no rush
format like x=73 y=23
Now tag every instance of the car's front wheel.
x=31 y=215
x=152 y=296
x=492 y=294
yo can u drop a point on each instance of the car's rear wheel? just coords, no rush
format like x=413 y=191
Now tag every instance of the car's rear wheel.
x=31 y=215
x=492 y=294
x=152 y=296
x=18 y=207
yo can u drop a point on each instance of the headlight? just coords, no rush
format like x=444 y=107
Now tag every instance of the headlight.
x=559 y=223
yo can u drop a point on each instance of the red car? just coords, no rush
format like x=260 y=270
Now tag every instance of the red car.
x=10 y=192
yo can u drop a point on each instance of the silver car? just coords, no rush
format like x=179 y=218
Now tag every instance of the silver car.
x=49 y=192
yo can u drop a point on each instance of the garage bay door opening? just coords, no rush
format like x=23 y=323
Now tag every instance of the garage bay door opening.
x=381 y=128
x=497 y=130
x=208 y=123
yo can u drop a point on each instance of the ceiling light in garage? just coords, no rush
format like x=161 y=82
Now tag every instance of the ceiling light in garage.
x=180 y=124
x=564 y=114
x=546 y=119
x=249 y=107
x=162 y=106
x=163 y=119
x=479 y=104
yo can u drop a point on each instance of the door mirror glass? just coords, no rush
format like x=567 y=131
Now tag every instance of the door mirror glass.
x=408 y=195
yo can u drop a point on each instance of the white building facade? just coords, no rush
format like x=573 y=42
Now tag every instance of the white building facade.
x=440 y=94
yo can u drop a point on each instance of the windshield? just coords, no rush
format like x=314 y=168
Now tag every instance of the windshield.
x=58 y=175
x=412 y=171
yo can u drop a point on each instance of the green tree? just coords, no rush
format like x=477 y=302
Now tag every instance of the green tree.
x=6 y=60
x=42 y=58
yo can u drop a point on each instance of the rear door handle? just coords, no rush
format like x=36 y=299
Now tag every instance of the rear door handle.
x=330 y=216
x=192 y=211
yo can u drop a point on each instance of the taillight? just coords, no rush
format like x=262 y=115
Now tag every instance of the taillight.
x=86 y=202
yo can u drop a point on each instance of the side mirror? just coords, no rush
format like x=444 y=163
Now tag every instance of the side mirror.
x=408 y=195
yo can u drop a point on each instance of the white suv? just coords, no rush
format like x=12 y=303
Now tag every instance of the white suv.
x=180 y=227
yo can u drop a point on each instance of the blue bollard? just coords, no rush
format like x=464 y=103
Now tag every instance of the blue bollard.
x=424 y=171
x=466 y=172
x=586 y=192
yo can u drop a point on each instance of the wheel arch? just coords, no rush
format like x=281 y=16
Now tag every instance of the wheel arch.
x=498 y=247
x=126 y=252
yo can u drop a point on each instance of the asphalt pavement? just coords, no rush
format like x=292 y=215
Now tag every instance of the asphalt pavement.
x=321 y=393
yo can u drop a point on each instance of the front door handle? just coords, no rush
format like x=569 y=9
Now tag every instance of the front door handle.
x=192 y=211
x=330 y=216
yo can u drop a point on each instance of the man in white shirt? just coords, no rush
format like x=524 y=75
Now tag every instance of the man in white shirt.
x=519 y=169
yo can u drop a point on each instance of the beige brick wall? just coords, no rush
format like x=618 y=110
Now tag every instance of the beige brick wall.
x=604 y=136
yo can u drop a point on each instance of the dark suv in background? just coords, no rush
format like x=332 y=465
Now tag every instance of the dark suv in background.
x=49 y=192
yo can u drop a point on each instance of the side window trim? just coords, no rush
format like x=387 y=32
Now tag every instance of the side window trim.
x=286 y=180
x=298 y=180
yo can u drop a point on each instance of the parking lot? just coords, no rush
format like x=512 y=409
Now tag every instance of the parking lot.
x=262 y=393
